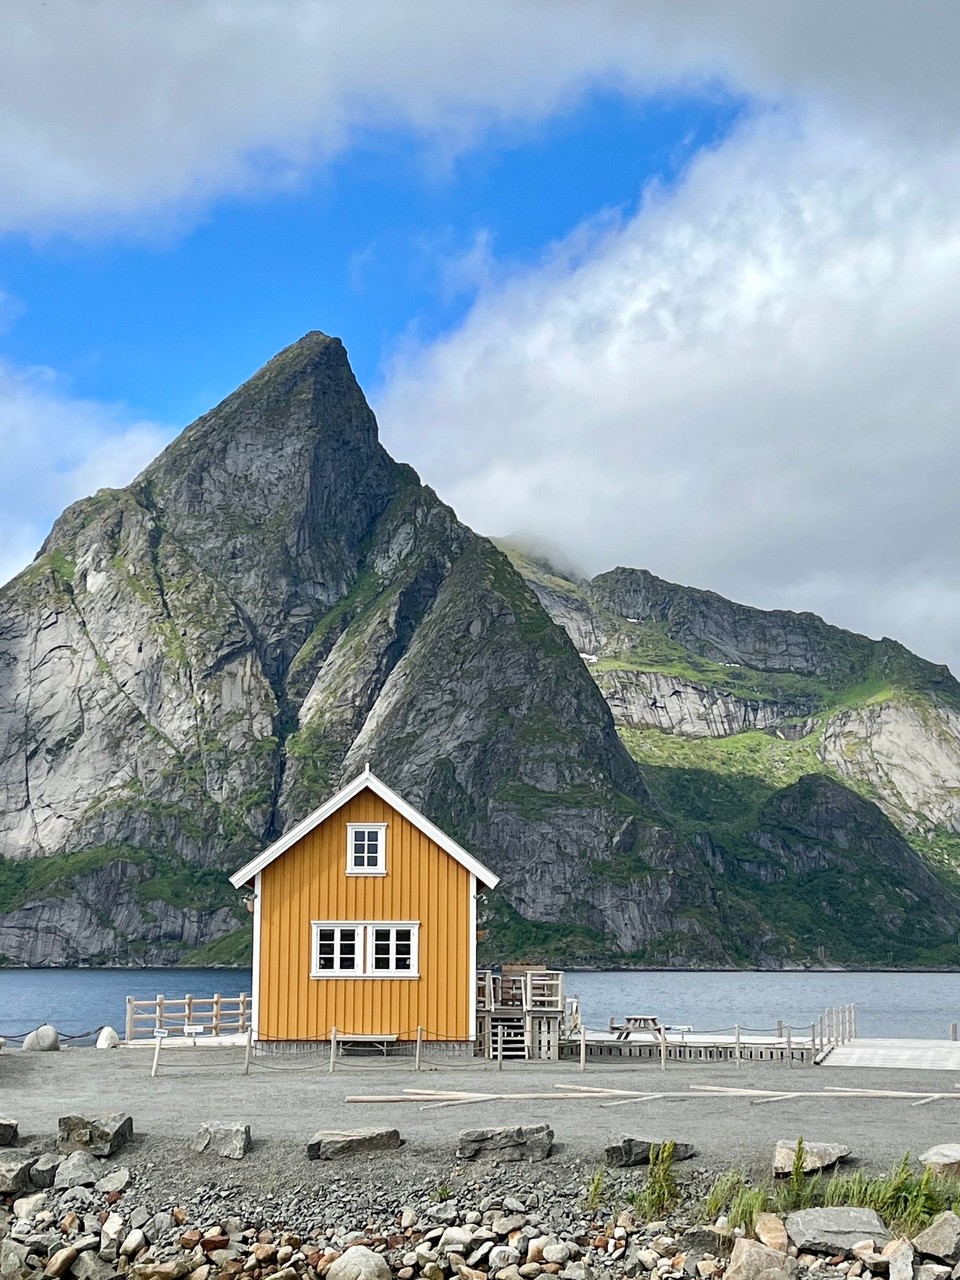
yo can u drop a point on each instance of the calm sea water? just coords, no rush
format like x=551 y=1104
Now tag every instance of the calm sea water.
x=888 y=1004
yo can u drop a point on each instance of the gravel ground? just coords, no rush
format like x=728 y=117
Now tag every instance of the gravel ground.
x=284 y=1103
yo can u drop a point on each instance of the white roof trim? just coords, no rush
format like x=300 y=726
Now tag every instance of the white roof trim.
x=365 y=779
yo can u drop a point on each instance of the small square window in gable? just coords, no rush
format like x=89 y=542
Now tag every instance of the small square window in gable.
x=366 y=849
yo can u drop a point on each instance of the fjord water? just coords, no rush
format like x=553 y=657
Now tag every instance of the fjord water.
x=908 y=1005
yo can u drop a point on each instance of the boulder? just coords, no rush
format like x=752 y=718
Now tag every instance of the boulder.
x=99 y=1135
x=44 y=1040
x=359 y=1263
x=507 y=1145
x=941 y=1239
x=769 y=1230
x=834 y=1230
x=45 y=1169
x=231 y=1141
x=633 y=1151
x=107 y=1039
x=750 y=1260
x=329 y=1143
x=78 y=1170
x=816 y=1156
x=14 y=1172
x=932 y=1271
x=944 y=1158
x=8 y=1132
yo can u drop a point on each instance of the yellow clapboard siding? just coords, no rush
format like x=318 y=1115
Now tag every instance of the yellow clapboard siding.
x=309 y=882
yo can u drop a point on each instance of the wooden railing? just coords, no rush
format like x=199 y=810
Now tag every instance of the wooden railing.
x=191 y=1016
x=532 y=990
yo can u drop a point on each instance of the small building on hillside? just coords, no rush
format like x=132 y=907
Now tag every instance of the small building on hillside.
x=365 y=920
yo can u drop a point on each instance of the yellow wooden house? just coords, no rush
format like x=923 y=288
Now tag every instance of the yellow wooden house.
x=364 y=921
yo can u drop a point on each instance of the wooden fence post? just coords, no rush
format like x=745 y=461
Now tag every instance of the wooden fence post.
x=813 y=1044
x=246 y=1052
x=416 y=1061
x=333 y=1048
x=790 y=1047
x=156 y=1058
x=737 y=1030
x=663 y=1049
x=499 y=1046
x=129 y=1026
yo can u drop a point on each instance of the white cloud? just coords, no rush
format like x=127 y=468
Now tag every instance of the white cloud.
x=57 y=448
x=115 y=111
x=750 y=386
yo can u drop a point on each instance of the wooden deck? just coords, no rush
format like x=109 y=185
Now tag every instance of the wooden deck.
x=913 y=1055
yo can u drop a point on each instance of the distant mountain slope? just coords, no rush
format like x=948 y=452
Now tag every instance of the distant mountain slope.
x=195 y=661
x=751 y=700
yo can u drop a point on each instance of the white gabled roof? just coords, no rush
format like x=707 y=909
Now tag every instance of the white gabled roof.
x=366 y=779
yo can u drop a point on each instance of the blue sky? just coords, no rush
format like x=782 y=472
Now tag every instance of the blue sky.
x=673 y=285
x=383 y=242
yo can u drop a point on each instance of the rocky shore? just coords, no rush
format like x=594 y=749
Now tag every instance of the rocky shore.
x=99 y=1202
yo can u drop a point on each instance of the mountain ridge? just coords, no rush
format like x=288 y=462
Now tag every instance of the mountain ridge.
x=196 y=660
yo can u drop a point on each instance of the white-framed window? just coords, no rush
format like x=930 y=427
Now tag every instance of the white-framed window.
x=366 y=849
x=365 y=949
x=337 y=950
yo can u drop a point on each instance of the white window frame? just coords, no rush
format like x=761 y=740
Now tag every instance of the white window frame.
x=381 y=868
x=365 y=943
x=359 y=949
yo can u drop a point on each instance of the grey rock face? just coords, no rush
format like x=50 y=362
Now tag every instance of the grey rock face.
x=835 y=1230
x=506 y=1145
x=8 y=1132
x=231 y=1141
x=98 y=1135
x=331 y=1143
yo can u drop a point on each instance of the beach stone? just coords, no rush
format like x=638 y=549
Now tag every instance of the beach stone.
x=329 y=1143
x=899 y=1256
x=27 y=1206
x=61 y=1262
x=100 y=1135
x=629 y=1151
x=8 y=1132
x=769 y=1230
x=78 y=1170
x=14 y=1172
x=359 y=1263
x=45 y=1169
x=506 y=1145
x=133 y=1242
x=931 y=1271
x=941 y=1239
x=230 y=1141
x=834 y=1230
x=503 y=1255
x=750 y=1260
x=456 y=1240
x=116 y=1180
x=944 y=1158
x=107 y=1039
x=44 y=1040
x=89 y=1266
x=816 y=1156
